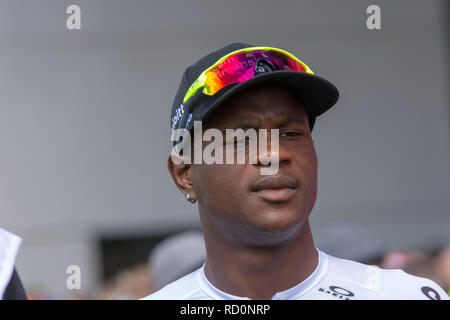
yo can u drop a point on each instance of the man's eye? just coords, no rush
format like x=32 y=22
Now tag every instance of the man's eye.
x=290 y=133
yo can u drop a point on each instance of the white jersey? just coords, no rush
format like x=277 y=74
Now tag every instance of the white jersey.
x=333 y=278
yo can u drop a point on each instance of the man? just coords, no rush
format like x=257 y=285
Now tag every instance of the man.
x=257 y=234
x=15 y=290
x=10 y=285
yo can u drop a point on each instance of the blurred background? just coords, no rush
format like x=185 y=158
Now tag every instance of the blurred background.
x=84 y=132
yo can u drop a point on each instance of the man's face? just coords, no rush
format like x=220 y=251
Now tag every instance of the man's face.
x=231 y=196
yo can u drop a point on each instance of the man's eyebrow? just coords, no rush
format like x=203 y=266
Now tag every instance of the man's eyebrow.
x=245 y=126
x=290 y=120
x=283 y=122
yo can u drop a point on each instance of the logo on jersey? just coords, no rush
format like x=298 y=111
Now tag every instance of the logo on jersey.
x=338 y=292
x=430 y=293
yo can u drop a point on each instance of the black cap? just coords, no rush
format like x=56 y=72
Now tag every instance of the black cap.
x=317 y=94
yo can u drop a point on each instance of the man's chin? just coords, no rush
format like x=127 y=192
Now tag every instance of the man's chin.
x=274 y=227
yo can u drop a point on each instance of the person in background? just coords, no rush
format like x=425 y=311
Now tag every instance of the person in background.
x=129 y=284
x=175 y=257
x=11 y=287
x=172 y=258
x=339 y=240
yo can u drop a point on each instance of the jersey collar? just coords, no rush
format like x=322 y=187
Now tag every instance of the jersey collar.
x=289 y=294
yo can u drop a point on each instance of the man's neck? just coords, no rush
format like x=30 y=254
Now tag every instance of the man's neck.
x=260 y=272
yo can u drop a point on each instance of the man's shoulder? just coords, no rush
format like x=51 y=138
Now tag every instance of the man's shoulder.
x=401 y=285
x=372 y=282
x=185 y=288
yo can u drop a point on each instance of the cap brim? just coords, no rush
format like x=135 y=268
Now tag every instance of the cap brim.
x=316 y=94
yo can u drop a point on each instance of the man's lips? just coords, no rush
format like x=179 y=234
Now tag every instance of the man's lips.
x=275 y=188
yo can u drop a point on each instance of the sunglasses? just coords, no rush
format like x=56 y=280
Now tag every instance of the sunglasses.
x=241 y=65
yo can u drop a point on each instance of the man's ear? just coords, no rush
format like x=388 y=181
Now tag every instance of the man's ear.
x=181 y=174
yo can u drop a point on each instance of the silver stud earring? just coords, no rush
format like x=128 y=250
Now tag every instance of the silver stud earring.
x=188 y=198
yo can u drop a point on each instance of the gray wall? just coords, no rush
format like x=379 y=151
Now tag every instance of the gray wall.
x=84 y=118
